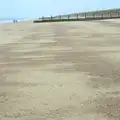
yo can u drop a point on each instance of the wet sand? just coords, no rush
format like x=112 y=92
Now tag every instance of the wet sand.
x=60 y=71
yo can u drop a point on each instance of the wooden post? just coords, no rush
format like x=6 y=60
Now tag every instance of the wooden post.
x=42 y=17
x=77 y=17
x=68 y=16
x=60 y=17
x=51 y=17
x=93 y=15
x=101 y=15
x=118 y=14
x=110 y=15
x=85 y=15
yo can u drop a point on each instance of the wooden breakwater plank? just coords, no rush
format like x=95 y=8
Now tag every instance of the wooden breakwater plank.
x=77 y=19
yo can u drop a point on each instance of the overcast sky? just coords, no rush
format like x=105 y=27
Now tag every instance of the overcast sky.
x=36 y=8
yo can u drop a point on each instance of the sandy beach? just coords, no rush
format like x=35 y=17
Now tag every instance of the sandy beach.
x=60 y=71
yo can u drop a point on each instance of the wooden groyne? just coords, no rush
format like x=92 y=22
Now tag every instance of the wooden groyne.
x=78 y=17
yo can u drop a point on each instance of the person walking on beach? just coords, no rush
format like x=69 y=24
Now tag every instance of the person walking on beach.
x=15 y=21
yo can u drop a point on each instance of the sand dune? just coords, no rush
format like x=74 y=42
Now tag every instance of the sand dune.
x=60 y=71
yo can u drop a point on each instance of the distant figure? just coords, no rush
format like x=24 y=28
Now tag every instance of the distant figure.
x=15 y=21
